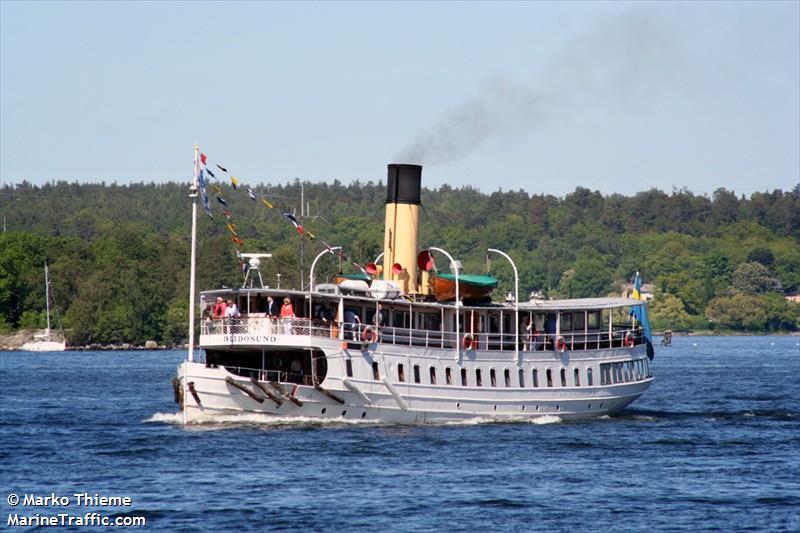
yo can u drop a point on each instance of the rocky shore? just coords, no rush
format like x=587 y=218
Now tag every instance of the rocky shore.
x=16 y=340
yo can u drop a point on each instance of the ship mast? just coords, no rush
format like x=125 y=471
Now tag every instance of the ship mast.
x=193 y=196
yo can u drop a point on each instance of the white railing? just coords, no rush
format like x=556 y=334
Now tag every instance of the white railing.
x=268 y=326
x=363 y=333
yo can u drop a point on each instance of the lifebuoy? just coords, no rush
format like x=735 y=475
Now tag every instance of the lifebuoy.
x=628 y=339
x=369 y=334
x=561 y=344
x=467 y=341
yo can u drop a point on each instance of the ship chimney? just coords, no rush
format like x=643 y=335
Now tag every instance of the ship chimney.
x=402 y=223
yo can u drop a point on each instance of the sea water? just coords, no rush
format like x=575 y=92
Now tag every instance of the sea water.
x=714 y=445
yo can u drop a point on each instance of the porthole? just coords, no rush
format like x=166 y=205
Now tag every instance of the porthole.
x=344 y=413
x=495 y=408
x=323 y=410
x=363 y=414
x=523 y=407
x=458 y=405
x=537 y=408
x=590 y=406
x=558 y=408
x=601 y=405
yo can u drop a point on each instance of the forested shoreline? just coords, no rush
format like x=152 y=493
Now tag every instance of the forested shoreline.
x=119 y=254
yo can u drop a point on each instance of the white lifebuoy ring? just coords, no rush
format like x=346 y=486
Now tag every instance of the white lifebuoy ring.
x=468 y=341
x=561 y=344
x=369 y=334
x=628 y=339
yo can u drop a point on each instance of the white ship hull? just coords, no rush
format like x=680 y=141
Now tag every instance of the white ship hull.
x=507 y=391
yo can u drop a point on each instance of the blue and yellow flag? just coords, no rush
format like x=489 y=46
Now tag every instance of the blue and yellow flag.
x=640 y=312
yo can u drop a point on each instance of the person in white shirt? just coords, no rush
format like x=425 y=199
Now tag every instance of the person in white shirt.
x=231 y=311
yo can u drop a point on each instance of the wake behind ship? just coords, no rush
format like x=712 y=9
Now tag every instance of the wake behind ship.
x=408 y=343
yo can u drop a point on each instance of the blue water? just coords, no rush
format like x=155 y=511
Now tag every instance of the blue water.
x=714 y=445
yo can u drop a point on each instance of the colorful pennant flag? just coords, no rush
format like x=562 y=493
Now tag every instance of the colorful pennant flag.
x=221 y=200
x=203 y=158
x=222 y=168
x=237 y=240
x=251 y=194
x=234 y=183
x=267 y=203
x=294 y=221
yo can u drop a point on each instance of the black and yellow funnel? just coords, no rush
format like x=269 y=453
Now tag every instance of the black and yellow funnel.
x=402 y=223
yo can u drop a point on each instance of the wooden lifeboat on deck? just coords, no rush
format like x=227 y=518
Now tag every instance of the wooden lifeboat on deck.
x=470 y=286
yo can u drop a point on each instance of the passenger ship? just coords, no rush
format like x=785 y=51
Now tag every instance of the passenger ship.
x=391 y=352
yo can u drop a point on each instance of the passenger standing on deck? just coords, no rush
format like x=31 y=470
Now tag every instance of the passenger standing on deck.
x=528 y=346
x=218 y=313
x=287 y=314
x=550 y=329
x=272 y=307
x=231 y=312
x=219 y=308
x=352 y=323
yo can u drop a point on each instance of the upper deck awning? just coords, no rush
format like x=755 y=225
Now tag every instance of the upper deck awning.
x=578 y=304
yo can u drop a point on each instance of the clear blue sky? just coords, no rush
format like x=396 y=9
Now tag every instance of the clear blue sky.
x=619 y=97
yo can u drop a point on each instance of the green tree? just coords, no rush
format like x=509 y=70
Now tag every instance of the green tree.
x=591 y=276
x=754 y=278
x=668 y=312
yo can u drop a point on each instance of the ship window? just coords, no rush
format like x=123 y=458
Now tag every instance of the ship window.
x=507 y=375
x=493 y=377
x=605 y=373
x=401 y=373
x=521 y=378
x=589 y=377
x=594 y=319
x=577 y=378
x=463 y=377
x=578 y=322
x=432 y=322
x=566 y=321
x=563 y=377
x=549 y=378
x=349 y=364
x=375 y=374
x=617 y=372
x=448 y=376
x=478 y=380
x=535 y=378
x=433 y=375
x=416 y=374
x=400 y=319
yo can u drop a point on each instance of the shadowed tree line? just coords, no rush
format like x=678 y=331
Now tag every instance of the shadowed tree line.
x=119 y=254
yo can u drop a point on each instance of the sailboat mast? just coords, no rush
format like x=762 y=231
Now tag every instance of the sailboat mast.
x=47 y=297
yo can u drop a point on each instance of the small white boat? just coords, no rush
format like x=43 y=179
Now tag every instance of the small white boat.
x=43 y=342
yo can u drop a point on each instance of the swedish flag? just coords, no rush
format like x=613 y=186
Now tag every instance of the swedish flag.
x=640 y=312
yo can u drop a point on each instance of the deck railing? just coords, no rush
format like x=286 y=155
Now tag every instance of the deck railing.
x=619 y=337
